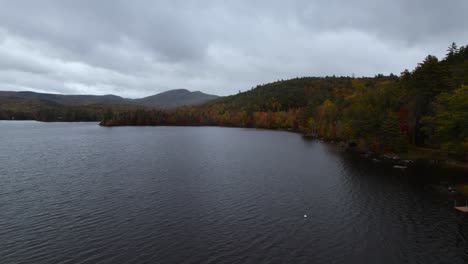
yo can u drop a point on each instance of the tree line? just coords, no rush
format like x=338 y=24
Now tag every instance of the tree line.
x=427 y=106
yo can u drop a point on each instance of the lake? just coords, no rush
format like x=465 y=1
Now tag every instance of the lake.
x=81 y=193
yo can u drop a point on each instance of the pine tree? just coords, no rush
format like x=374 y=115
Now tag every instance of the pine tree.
x=452 y=50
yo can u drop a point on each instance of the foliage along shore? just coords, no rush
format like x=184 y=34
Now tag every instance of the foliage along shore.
x=422 y=108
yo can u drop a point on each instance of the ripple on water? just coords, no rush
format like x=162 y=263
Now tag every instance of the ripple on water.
x=80 y=193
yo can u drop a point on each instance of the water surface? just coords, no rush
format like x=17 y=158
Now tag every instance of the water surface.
x=80 y=193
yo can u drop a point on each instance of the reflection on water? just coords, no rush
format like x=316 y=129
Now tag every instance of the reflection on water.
x=462 y=188
x=80 y=193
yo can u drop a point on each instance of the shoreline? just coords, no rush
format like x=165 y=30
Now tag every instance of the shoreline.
x=415 y=154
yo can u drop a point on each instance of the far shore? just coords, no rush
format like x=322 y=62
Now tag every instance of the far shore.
x=414 y=153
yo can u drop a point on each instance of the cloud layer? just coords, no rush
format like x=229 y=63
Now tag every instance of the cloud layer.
x=138 y=48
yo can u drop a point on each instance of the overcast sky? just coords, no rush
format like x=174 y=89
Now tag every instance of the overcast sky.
x=136 y=48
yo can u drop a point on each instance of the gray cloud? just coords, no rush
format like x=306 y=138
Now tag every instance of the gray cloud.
x=137 y=48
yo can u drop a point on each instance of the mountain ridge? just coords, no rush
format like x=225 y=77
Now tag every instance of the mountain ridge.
x=184 y=97
x=168 y=99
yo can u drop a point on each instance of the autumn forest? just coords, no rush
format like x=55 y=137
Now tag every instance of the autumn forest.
x=427 y=106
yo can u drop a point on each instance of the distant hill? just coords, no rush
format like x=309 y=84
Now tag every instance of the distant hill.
x=70 y=100
x=175 y=98
x=168 y=99
x=48 y=107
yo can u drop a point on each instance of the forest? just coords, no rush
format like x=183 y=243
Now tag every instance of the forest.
x=12 y=108
x=427 y=107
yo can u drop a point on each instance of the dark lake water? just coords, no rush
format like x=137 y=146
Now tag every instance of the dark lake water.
x=80 y=193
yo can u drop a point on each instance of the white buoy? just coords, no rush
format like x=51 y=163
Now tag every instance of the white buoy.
x=305 y=216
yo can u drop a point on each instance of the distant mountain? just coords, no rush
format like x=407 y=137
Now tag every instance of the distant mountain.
x=168 y=99
x=69 y=100
x=175 y=98
x=57 y=107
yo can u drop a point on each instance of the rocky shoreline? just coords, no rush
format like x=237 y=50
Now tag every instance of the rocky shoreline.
x=398 y=160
